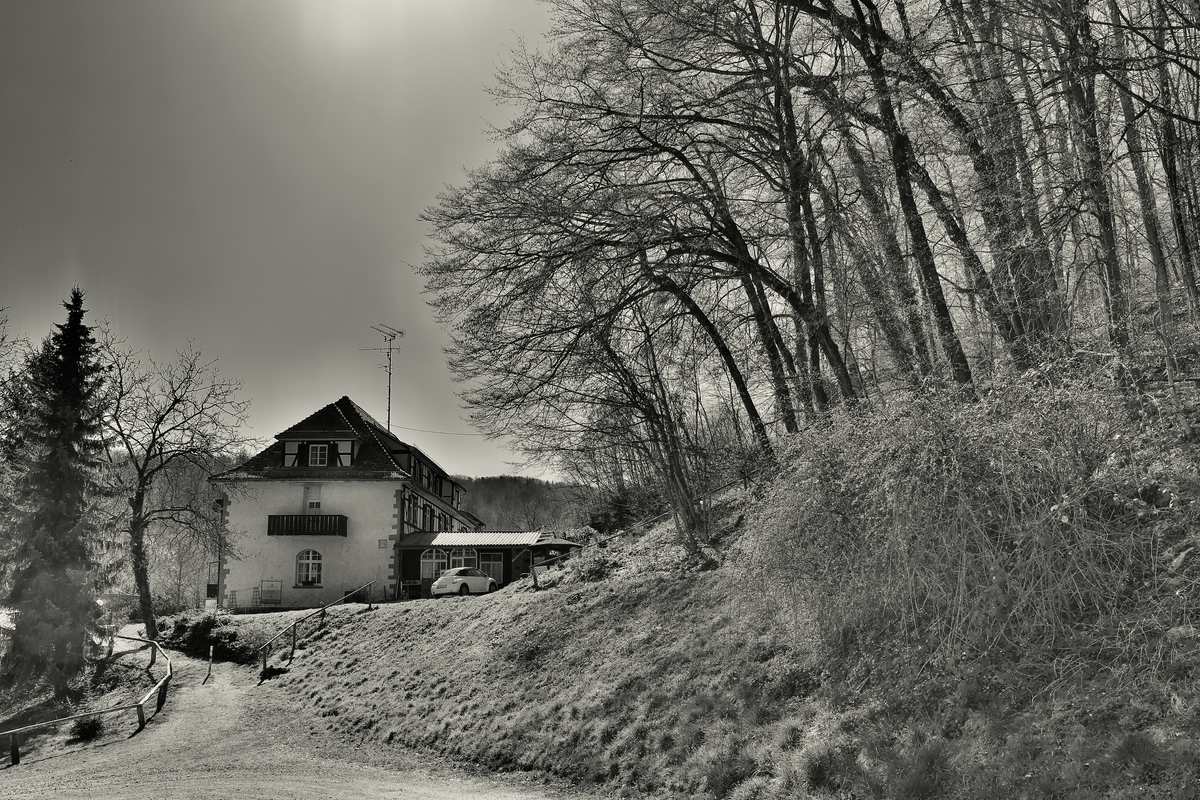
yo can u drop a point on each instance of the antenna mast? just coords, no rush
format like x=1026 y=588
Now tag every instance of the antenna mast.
x=390 y=335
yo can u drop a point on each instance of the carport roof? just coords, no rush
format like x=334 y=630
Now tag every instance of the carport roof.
x=478 y=538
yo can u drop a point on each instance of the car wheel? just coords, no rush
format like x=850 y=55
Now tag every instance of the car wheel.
x=464 y=590
x=491 y=586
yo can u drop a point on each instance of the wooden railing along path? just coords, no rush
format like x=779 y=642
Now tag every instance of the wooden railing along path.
x=264 y=649
x=158 y=691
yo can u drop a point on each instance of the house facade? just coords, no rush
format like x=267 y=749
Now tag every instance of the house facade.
x=323 y=509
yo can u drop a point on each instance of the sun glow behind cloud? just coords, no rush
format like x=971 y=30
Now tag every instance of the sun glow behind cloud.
x=346 y=27
x=248 y=176
x=341 y=26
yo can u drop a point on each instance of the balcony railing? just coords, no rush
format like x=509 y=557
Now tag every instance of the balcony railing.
x=306 y=525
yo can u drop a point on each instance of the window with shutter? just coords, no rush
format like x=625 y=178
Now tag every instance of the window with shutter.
x=291 y=450
x=345 y=453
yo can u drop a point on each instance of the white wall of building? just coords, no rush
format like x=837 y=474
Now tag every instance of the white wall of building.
x=346 y=562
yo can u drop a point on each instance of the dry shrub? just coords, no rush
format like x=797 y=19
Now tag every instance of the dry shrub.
x=86 y=729
x=967 y=527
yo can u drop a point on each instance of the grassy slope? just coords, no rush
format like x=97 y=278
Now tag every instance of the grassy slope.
x=121 y=681
x=649 y=682
x=655 y=682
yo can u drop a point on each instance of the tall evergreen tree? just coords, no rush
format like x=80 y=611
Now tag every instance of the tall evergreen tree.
x=50 y=528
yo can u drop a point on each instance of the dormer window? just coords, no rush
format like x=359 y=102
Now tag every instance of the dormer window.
x=318 y=455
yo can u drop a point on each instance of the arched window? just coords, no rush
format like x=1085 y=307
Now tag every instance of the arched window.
x=464 y=557
x=433 y=563
x=308 y=568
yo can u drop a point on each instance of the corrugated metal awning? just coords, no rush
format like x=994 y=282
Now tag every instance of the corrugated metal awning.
x=484 y=539
x=470 y=539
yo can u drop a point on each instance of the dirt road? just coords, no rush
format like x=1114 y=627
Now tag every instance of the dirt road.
x=230 y=739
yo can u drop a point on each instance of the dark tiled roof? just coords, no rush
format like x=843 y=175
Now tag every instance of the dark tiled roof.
x=328 y=421
x=342 y=418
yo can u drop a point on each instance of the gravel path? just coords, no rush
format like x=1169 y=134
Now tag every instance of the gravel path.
x=229 y=738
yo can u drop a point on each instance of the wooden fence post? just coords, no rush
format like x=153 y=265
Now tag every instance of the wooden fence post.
x=153 y=655
x=293 y=653
x=141 y=716
x=14 y=747
x=162 y=696
x=264 y=667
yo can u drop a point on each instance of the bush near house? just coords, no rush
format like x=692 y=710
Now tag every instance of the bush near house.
x=192 y=632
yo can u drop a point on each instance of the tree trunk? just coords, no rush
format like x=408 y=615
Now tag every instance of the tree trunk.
x=138 y=562
x=1079 y=77
x=893 y=257
x=1169 y=153
x=731 y=366
x=901 y=152
x=1133 y=146
x=769 y=338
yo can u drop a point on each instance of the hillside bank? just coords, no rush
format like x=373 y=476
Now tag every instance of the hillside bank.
x=658 y=682
x=995 y=599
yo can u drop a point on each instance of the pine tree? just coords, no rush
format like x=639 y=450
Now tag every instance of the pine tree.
x=50 y=529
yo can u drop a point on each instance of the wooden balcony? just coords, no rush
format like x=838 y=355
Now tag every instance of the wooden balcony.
x=306 y=525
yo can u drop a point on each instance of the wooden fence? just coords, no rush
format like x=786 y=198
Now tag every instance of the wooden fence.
x=264 y=650
x=158 y=692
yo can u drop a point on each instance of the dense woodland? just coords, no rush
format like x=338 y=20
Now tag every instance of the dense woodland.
x=512 y=502
x=713 y=224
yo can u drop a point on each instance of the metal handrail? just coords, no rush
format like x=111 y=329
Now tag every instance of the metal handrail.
x=159 y=688
x=265 y=647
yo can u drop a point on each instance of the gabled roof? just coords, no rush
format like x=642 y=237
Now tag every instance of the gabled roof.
x=482 y=539
x=328 y=421
x=341 y=419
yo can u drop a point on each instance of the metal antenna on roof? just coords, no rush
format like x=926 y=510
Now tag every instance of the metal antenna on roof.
x=390 y=335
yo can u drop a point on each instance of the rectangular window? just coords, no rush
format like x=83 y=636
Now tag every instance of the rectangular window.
x=290 y=451
x=312 y=498
x=318 y=455
x=308 y=568
x=345 y=451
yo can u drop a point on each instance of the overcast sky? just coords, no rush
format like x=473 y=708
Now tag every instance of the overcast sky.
x=246 y=174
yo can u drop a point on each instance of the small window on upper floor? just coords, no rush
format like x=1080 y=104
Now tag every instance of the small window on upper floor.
x=345 y=453
x=318 y=455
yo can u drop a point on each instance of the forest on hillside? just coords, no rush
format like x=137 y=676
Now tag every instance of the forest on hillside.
x=513 y=502
x=918 y=279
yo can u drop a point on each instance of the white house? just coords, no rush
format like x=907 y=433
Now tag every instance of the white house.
x=324 y=509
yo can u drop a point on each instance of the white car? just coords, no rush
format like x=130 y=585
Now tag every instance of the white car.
x=462 y=580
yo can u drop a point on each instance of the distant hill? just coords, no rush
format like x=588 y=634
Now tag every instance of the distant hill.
x=511 y=502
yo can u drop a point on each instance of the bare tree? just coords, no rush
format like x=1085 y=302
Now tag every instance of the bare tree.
x=166 y=419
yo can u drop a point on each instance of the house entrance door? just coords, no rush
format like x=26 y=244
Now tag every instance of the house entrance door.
x=492 y=564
